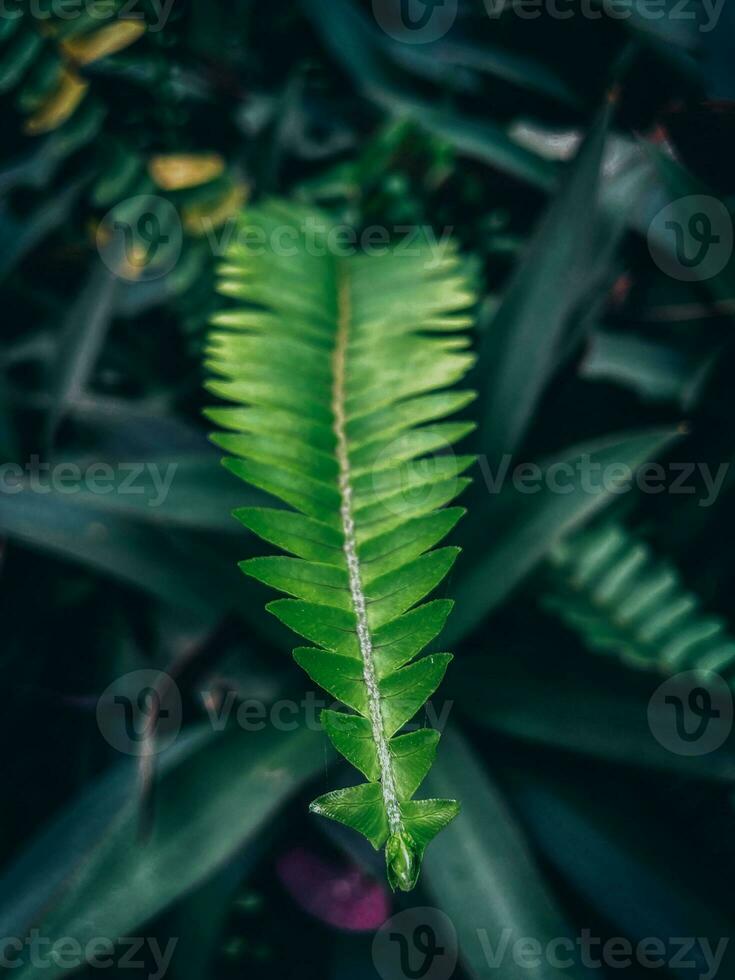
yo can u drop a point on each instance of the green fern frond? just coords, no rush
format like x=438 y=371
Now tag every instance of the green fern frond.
x=339 y=369
x=608 y=586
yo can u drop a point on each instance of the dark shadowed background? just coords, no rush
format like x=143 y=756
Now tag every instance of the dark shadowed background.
x=160 y=745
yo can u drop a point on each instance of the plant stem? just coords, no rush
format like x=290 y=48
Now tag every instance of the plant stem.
x=385 y=762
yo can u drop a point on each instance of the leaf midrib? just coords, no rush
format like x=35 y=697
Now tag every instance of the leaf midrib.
x=359 y=602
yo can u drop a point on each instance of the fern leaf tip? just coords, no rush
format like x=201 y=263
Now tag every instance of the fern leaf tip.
x=402 y=861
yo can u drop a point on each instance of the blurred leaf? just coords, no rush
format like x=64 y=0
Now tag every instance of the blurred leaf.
x=599 y=712
x=19 y=235
x=516 y=528
x=482 y=874
x=208 y=804
x=484 y=140
x=353 y=42
x=670 y=30
x=522 y=343
x=37 y=167
x=651 y=888
x=654 y=370
x=136 y=429
x=718 y=67
x=8 y=433
x=608 y=585
x=175 y=567
x=33 y=168
x=81 y=337
x=192 y=492
x=200 y=918
x=46 y=867
x=441 y=59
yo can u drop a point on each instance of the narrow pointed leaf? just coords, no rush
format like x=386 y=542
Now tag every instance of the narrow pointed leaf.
x=89 y=875
x=482 y=874
x=522 y=346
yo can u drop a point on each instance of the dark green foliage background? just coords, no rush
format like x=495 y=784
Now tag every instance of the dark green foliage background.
x=579 y=818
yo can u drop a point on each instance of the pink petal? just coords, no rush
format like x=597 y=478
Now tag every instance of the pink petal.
x=340 y=896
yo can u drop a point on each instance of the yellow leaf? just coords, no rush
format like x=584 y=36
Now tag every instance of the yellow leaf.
x=59 y=106
x=177 y=171
x=107 y=40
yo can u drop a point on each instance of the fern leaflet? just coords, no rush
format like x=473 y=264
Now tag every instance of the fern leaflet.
x=339 y=368
x=609 y=587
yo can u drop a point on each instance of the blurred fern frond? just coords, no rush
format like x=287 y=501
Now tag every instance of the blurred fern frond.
x=334 y=364
x=608 y=586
